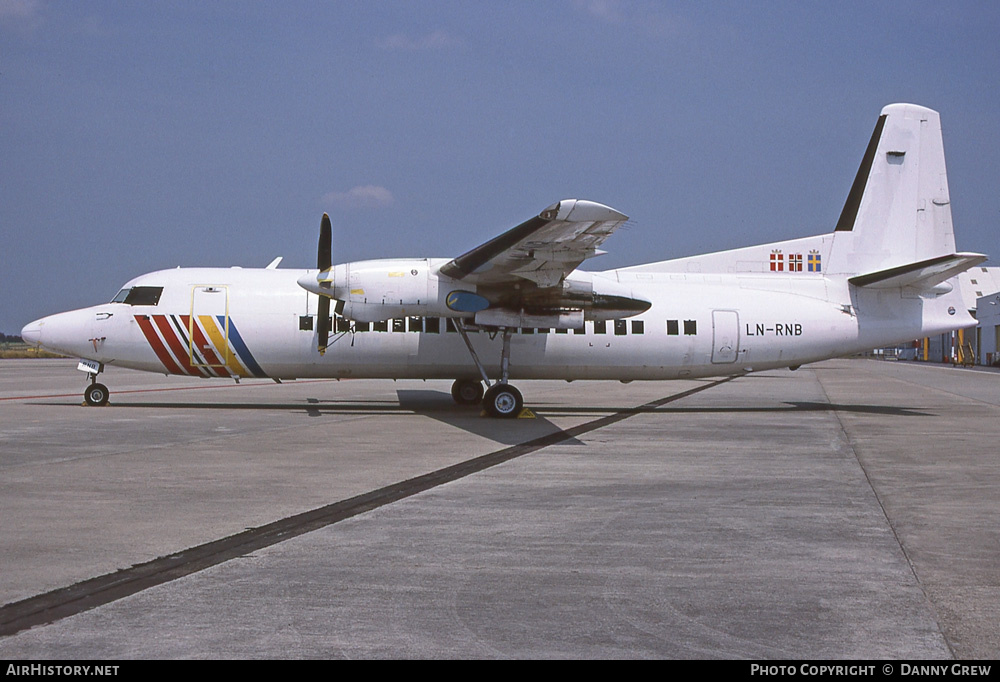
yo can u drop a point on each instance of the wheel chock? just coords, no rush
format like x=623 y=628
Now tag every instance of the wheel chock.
x=525 y=413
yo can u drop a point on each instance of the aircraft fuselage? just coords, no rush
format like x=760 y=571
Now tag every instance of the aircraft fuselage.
x=233 y=322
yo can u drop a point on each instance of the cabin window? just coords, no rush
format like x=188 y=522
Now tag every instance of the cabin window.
x=450 y=325
x=139 y=296
x=398 y=324
x=527 y=330
x=562 y=331
x=416 y=324
x=621 y=327
x=690 y=327
x=343 y=325
x=432 y=325
x=305 y=323
x=672 y=328
x=580 y=330
x=638 y=327
x=600 y=326
x=362 y=326
x=543 y=330
x=381 y=326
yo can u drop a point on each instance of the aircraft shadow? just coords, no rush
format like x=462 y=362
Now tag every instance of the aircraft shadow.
x=437 y=405
x=440 y=406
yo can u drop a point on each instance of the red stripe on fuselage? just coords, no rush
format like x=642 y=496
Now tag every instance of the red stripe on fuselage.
x=156 y=345
x=176 y=346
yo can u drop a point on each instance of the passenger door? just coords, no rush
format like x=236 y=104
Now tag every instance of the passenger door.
x=725 y=336
x=208 y=326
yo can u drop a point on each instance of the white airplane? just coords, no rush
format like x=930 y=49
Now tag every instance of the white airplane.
x=517 y=307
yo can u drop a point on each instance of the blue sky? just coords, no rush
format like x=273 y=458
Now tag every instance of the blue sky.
x=136 y=136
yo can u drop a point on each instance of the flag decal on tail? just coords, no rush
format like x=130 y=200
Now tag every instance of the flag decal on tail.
x=795 y=262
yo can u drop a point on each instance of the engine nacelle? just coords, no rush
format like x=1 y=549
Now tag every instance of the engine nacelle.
x=372 y=291
x=571 y=319
x=600 y=297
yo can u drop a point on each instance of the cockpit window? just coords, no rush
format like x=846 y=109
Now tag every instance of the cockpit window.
x=139 y=296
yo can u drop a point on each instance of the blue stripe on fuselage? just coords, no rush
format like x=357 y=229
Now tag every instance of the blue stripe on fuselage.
x=241 y=348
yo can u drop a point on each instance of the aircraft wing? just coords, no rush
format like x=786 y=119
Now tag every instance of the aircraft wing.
x=543 y=249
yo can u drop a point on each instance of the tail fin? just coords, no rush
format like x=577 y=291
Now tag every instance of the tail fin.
x=898 y=211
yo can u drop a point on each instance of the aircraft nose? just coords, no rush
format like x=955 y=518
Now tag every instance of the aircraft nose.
x=31 y=333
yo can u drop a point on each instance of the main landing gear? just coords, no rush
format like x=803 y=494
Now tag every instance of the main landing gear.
x=501 y=399
x=467 y=392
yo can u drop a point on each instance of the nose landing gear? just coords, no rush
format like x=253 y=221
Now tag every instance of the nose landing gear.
x=96 y=394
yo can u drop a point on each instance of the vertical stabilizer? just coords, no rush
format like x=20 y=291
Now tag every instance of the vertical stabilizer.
x=898 y=210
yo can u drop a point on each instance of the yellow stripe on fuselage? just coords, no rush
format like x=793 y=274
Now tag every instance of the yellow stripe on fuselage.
x=221 y=346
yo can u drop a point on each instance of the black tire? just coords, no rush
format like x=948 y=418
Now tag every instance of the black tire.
x=467 y=392
x=96 y=395
x=503 y=401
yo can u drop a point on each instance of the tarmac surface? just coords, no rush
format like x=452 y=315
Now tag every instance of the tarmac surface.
x=845 y=510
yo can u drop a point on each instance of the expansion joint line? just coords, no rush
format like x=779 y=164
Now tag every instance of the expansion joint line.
x=61 y=603
x=885 y=515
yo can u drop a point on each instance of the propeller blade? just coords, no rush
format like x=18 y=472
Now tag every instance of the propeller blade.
x=324 y=257
x=324 y=261
x=323 y=323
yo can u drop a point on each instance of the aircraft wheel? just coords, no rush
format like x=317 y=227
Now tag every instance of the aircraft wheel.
x=503 y=400
x=96 y=395
x=467 y=392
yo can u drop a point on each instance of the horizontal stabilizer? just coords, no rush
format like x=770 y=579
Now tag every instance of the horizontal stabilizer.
x=921 y=275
